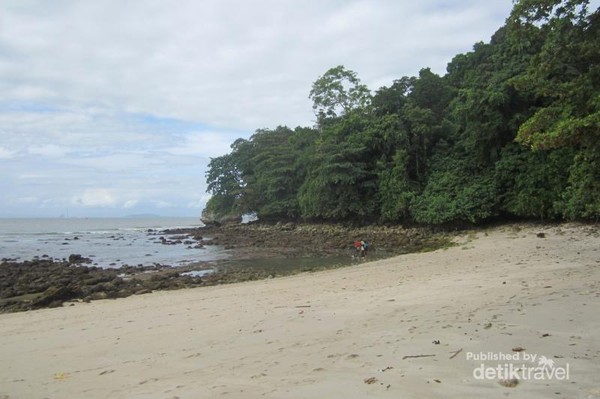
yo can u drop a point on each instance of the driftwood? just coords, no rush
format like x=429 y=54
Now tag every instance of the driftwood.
x=456 y=353
x=415 y=356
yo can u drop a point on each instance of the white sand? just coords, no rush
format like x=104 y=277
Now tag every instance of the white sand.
x=322 y=335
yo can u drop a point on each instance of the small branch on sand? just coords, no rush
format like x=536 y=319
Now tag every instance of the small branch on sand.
x=456 y=353
x=302 y=306
x=415 y=356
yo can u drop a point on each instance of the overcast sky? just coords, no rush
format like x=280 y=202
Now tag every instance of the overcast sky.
x=112 y=107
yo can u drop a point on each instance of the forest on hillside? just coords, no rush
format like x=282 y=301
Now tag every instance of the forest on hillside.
x=511 y=130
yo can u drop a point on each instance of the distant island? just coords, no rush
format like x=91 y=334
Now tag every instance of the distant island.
x=143 y=216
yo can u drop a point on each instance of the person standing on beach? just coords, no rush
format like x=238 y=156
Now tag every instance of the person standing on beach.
x=357 y=248
x=361 y=248
x=364 y=248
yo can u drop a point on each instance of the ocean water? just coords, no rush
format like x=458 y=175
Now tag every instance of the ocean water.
x=109 y=242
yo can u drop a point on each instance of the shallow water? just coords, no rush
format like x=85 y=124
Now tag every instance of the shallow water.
x=284 y=266
x=109 y=242
x=114 y=242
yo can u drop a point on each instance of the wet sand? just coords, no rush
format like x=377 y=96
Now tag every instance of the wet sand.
x=370 y=330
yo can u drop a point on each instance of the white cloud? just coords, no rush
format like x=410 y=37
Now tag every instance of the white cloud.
x=95 y=197
x=32 y=176
x=49 y=150
x=205 y=144
x=227 y=63
x=26 y=200
x=6 y=153
x=135 y=97
x=162 y=204
x=130 y=204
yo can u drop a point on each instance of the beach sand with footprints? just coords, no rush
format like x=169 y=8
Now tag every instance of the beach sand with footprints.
x=413 y=326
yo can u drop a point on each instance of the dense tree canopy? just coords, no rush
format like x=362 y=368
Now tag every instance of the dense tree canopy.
x=512 y=129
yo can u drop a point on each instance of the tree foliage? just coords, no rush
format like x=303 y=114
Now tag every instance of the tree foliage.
x=512 y=129
x=564 y=75
x=338 y=92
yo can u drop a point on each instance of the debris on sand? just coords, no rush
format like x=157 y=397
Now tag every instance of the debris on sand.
x=509 y=382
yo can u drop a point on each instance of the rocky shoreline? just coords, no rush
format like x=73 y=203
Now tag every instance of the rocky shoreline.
x=41 y=283
x=259 y=240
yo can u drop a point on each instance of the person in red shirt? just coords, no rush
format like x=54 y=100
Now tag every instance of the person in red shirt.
x=358 y=247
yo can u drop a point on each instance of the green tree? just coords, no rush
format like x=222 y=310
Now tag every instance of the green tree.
x=564 y=75
x=489 y=108
x=532 y=183
x=581 y=198
x=226 y=186
x=391 y=100
x=274 y=182
x=338 y=92
x=341 y=181
x=456 y=192
x=396 y=189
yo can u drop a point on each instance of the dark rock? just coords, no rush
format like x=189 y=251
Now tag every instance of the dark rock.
x=98 y=296
x=288 y=226
x=55 y=296
x=78 y=259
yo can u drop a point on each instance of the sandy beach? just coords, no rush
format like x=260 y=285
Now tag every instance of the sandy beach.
x=413 y=326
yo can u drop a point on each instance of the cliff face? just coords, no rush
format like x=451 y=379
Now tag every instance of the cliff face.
x=212 y=218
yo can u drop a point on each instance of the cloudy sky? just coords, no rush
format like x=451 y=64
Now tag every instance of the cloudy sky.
x=112 y=107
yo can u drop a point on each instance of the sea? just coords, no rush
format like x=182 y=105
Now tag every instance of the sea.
x=108 y=242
